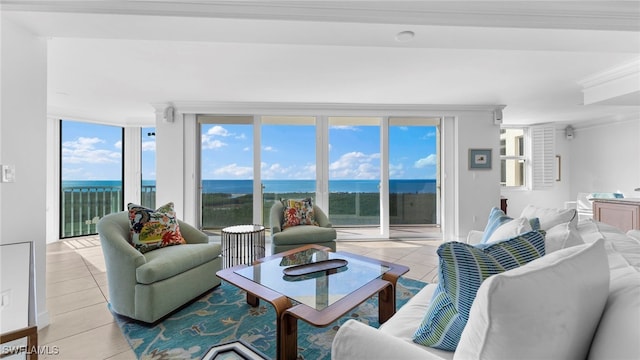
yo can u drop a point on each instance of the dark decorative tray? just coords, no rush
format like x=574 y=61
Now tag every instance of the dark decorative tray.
x=323 y=265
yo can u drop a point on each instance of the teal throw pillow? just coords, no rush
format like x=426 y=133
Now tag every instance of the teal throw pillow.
x=462 y=270
x=497 y=217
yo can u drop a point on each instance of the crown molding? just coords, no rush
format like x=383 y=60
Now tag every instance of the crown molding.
x=631 y=68
x=606 y=122
x=585 y=15
x=328 y=109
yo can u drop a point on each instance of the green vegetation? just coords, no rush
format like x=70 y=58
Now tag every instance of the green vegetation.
x=220 y=210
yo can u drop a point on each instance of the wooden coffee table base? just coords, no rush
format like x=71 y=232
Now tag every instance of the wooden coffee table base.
x=288 y=330
x=287 y=315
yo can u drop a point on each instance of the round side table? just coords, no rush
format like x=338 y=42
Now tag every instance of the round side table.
x=242 y=244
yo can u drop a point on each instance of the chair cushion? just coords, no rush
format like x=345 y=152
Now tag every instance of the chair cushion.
x=462 y=270
x=153 y=229
x=304 y=234
x=557 y=320
x=298 y=212
x=167 y=262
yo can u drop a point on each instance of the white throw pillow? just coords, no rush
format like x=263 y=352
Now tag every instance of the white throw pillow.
x=562 y=236
x=618 y=335
x=510 y=230
x=550 y=217
x=546 y=309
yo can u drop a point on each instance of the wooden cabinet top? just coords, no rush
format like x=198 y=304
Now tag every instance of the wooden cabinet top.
x=623 y=201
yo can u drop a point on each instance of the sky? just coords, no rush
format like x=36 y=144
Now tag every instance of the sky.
x=94 y=152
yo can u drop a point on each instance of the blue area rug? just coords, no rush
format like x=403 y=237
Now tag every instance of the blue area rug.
x=223 y=315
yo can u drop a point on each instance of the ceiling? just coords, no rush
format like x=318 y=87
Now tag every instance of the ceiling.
x=109 y=61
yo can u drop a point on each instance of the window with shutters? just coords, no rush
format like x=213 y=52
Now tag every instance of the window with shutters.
x=527 y=157
x=542 y=157
x=513 y=161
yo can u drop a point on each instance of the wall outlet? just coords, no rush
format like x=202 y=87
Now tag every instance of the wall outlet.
x=8 y=173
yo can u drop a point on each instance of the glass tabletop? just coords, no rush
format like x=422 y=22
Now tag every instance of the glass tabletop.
x=317 y=290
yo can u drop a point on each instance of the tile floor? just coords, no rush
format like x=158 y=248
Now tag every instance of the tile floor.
x=82 y=327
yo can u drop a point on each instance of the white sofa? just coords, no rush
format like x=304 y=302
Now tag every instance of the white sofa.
x=615 y=332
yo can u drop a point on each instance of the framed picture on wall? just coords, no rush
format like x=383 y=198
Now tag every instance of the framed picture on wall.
x=480 y=159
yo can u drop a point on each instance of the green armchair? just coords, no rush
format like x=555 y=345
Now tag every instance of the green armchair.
x=148 y=286
x=296 y=236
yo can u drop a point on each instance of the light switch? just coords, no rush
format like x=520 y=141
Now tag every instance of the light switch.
x=5 y=298
x=8 y=173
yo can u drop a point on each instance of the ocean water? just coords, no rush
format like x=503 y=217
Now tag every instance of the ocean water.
x=404 y=186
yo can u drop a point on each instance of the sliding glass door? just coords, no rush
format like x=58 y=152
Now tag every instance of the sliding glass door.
x=369 y=174
x=414 y=171
x=354 y=171
x=226 y=170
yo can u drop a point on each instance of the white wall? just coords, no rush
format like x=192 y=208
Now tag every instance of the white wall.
x=478 y=190
x=606 y=157
x=23 y=139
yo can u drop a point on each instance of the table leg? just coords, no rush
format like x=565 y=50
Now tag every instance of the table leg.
x=386 y=303
x=252 y=300
x=287 y=337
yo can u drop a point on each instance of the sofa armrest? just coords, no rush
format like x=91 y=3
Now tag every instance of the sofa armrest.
x=474 y=237
x=355 y=340
x=192 y=235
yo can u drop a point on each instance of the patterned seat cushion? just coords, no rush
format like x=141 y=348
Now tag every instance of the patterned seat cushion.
x=462 y=270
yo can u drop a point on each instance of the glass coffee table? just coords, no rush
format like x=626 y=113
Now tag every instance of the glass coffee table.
x=316 y=285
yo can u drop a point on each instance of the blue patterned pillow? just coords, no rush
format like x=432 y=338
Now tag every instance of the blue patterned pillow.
x=497 y=217
x=462 y=270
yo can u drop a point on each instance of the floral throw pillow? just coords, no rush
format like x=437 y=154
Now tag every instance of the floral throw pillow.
x=298 y=212
x=153 y=229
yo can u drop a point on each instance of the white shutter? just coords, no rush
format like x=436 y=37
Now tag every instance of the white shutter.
x=542 y=157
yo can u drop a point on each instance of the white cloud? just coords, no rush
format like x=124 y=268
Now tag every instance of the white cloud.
x=345 y=127
x=308 y=172
x=269 y=148
x=233 y=170
x=429 y=134
x=246 y=149
x=118 y=145
x=149 y=146
x=209 y=143
x=355 y=165
x=396 y=171
x=83 y=150
x=404 y=128
x=275 y=171
x=218 y=131
x=426 y=161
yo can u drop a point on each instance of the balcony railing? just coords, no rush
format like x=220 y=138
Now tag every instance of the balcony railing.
x=82 y=206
